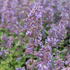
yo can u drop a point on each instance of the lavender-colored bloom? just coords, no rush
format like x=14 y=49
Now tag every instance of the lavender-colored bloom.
x=9 y=42
x=26 y=16
x=20 y=68
x=59 y=64
x=1 y=53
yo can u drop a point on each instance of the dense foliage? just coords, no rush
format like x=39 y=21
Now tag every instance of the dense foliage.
x=34 y=35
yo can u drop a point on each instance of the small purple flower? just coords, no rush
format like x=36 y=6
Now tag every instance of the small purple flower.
x=1 y=53
x=20 y=68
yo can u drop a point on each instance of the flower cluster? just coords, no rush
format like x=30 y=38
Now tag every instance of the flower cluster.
x=33 y=33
